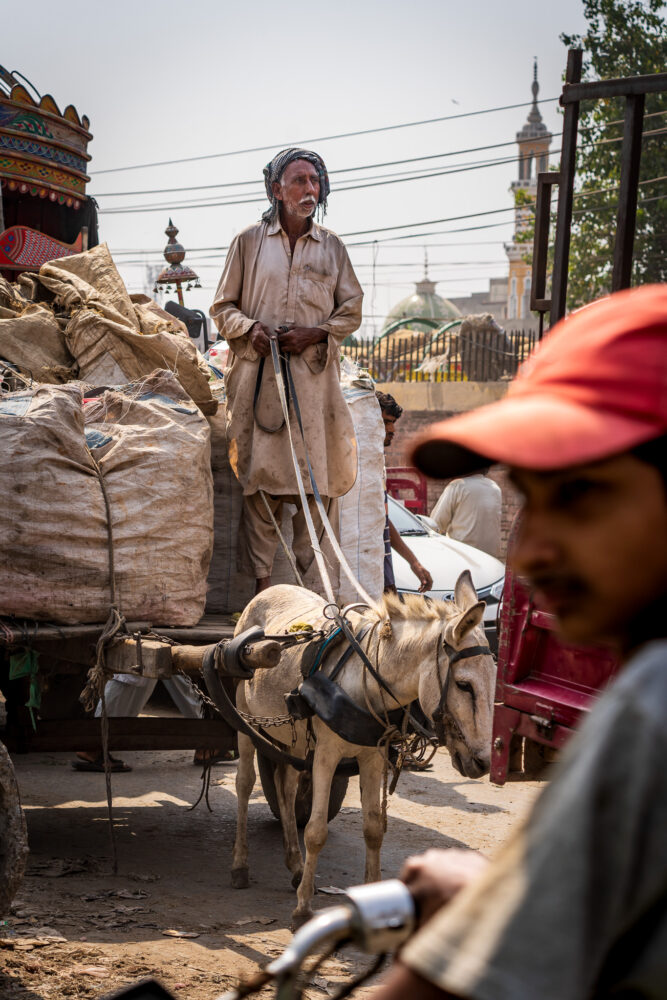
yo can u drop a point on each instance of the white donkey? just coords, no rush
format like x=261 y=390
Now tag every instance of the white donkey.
x=419 y=648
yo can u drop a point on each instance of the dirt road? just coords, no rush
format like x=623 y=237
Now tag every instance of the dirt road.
x=77 y=931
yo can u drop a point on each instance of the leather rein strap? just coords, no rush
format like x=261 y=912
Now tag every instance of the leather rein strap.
x=287 y=390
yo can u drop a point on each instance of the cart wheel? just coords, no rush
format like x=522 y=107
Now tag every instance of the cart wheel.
x=304 y=792
x=13 y=836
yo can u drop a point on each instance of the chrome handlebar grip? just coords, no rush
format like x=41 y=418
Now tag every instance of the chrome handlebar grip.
x=378 y=918
x=384 y=915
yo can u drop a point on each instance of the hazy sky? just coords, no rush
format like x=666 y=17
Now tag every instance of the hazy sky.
x=166 y=80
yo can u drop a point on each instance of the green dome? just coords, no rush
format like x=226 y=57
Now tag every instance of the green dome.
x=423 y=302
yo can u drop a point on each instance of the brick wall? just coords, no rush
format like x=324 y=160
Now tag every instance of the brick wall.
x=413 y=421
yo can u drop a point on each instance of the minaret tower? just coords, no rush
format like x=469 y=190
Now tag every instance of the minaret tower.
x=533 y=141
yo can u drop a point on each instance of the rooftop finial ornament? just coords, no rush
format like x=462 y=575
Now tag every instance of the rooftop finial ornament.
x=425 y=286
x=176 y=274
x=534 y=114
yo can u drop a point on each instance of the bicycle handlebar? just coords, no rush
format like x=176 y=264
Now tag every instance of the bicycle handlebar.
x=377 y=918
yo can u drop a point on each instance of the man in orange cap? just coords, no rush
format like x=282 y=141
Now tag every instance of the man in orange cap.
x=575 y=906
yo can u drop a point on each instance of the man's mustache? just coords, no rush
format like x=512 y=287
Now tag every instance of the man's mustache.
x=558 y=584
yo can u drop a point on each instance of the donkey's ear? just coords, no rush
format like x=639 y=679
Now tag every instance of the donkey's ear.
x=463 y=623
x=465 y=594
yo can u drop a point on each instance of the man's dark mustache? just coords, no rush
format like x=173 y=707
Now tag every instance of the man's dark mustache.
x=558 y=585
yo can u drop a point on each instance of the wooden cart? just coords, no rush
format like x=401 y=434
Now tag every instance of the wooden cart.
x=65 y=654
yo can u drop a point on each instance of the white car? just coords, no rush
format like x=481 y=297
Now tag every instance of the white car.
x=445 y=559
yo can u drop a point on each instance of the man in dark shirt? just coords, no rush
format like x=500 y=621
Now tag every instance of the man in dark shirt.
x=575 y=906
x=391 y=411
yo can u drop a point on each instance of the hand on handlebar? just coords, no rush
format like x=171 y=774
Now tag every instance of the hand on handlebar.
x=436 y=876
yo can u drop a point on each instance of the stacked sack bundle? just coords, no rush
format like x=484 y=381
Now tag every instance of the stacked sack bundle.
x=148 y=447
x=31 y=338
x=63 y=331
x=75 y=319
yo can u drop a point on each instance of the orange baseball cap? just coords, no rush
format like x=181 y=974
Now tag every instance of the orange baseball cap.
x=595 y=387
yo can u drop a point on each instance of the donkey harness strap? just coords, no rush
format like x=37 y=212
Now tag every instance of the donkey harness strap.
x=454 y=655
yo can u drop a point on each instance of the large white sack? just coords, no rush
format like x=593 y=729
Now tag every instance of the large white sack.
x=229 y=589
x=362 y=510
x=153 y=447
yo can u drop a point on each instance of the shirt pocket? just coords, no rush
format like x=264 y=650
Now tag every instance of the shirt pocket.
x=317 y=291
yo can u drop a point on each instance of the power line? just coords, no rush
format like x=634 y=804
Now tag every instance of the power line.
x=192 y=250
x=392 y=179
x=343 y=170
x=370 y=243
x=369 y=177
x=431 y=222
x=369 y=166
x=366 y=183
x=324 y=138
x=422 y=235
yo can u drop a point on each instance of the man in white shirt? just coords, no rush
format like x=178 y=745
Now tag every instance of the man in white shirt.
x=469 y=510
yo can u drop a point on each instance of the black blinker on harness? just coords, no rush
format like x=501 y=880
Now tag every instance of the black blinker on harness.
x=341 y=714
x=453 y=656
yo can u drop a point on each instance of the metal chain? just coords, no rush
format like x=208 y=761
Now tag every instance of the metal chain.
x=266 y=721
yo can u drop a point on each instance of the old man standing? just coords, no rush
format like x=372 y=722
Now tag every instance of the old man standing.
x=286 y=277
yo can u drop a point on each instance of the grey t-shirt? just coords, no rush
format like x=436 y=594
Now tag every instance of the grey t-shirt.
x=576 y=904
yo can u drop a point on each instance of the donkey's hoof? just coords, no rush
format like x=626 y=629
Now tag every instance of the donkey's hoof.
x=299 y=918
x=296 y=879
x=239 y=878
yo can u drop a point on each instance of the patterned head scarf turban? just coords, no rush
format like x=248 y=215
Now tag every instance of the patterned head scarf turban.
x=274 y=170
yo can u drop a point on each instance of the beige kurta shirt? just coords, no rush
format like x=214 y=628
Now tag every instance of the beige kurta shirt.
x=263 y=282
x=470 y=510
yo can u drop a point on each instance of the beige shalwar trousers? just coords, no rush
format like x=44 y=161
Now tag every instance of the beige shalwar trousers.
x=258 y=537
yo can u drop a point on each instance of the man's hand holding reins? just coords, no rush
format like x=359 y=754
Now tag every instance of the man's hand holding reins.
x=298 y=338
x=260 y=337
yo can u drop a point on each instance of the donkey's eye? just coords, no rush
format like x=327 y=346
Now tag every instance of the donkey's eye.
x=465 y=686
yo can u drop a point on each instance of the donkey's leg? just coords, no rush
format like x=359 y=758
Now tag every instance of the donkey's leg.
x=286 y=781
x=245 y=782
x=325 y=763
x=371 y=767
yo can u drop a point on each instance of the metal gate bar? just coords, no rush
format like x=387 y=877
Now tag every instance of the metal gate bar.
x=627 y=200
x=633 y=89
x=565 y=191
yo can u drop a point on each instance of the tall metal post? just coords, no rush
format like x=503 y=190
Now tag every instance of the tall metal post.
x=627 y=205
x=565 y=189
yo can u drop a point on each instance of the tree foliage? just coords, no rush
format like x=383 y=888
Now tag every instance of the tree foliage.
x=624 y=38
